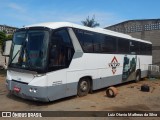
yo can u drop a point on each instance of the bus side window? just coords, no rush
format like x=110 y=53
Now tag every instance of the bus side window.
x=149 y=49
x=86 y=39
x=123 y=46
x=108 y=45
x=134 y=47
x=142 y=48
x=55 y=51
x=61 y=50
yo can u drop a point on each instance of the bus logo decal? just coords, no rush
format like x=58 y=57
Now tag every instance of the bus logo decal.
x=114 y=64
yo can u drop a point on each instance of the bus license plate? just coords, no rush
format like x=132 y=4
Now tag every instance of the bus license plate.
x=16 y=89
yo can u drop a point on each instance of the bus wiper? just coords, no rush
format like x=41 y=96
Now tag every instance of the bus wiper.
x=15 y=56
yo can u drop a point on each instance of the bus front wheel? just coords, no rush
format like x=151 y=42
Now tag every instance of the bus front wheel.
x=83 y=87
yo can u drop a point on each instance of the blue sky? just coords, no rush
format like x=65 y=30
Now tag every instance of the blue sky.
x=107 y=12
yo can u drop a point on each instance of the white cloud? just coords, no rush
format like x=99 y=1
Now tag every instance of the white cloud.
x=16 y=7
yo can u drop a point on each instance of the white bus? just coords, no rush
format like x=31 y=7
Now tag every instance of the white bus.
x=49 y=61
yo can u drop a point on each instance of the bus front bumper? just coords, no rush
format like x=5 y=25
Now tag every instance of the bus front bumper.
x=27 y=91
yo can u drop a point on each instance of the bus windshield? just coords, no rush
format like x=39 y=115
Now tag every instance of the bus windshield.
x=29 y=50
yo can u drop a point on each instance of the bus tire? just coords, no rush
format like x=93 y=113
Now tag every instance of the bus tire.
x=138 y=76
x=83 y=87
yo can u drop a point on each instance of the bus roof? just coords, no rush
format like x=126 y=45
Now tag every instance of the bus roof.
x=55 y=25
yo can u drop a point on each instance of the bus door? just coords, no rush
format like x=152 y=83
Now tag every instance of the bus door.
x=130 y=63
x=60 y=56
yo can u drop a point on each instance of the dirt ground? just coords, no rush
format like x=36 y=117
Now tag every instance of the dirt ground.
x=129 y=98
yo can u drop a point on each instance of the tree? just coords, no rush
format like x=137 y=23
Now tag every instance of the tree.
x=2 y=37
x=9 y=37
x=90 y=22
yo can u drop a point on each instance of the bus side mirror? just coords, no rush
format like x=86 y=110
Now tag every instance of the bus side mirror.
x=6 y=48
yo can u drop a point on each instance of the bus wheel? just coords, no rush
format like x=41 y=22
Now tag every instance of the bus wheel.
x=138 y=76
x=83 y=87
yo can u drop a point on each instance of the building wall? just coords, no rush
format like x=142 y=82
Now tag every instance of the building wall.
x=144 y=29
x=8 y=29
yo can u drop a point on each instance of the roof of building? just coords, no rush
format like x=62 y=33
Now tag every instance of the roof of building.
x=55 y=25
x=138 y=20
x=9 y=26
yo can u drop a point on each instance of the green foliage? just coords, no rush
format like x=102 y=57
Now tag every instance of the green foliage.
x=2 y=37
x=90 y=22
x=9 y=37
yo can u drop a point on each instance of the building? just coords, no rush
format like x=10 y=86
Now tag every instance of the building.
x=8 y=29
x=147 y=29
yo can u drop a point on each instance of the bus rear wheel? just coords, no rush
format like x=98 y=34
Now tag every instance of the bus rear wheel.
x=83 y=87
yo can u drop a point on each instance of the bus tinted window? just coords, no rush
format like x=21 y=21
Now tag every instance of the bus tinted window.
x=134 y=47
x=86 y=40
x=79 y=34
x=97 y=43
x=142 y=48
x=61 y=50
x=148 y=49
x=93 y=42
x=123 y=46
x=108 y=44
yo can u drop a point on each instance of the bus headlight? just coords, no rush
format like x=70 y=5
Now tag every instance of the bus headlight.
x=30 y=90
x=34 y=90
